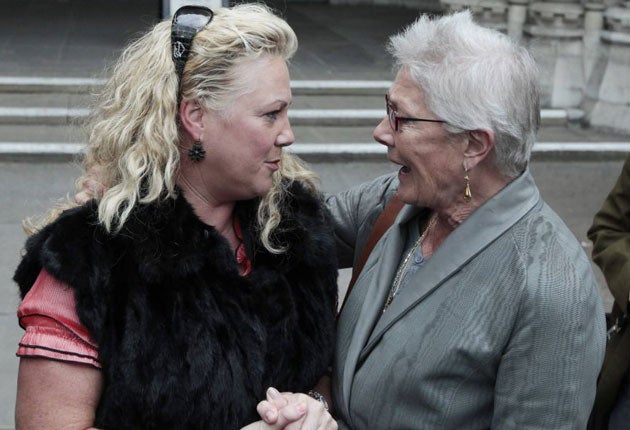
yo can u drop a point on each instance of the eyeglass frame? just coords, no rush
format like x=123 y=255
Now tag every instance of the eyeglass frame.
x=394 y=118
x=182 y=36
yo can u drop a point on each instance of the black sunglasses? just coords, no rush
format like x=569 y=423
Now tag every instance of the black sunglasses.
x=187 y=22
x=395 y=119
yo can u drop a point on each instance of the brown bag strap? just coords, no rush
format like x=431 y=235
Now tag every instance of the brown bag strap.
x=383 y=222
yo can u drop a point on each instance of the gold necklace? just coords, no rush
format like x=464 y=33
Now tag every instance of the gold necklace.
x=403 y=267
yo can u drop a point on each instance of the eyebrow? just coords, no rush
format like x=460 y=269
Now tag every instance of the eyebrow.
x=395 y=103
x=282 y=102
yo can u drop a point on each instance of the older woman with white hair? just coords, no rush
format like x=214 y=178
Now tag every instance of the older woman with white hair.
x=477 y=308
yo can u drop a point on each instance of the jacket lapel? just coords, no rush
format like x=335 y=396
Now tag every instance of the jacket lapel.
x=385 y=257
x=483 y=226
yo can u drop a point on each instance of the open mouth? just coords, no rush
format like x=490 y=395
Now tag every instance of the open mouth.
x=403 y=169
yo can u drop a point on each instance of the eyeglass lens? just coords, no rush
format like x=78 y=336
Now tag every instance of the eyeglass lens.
x=391 y=114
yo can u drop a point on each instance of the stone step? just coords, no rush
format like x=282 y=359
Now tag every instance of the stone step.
x=46 y=100
x=14 y=84
x=298 y=117
x=18 y=84
x=41 y=133
x=303 y=134
x=565 y=151
x=326 y=103
x=85 y=100
x=76 y=133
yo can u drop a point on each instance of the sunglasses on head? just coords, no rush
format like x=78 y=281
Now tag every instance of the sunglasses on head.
x=187 y=22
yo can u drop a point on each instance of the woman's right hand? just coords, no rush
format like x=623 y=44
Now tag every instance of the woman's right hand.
x=91 y=186
x=279 y=406
x=288 y=415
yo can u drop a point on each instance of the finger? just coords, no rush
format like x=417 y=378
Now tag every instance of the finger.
x=267 y=411
x=315 y=416
x=279 y=400
x=291 y=413
x=82 y=198
x=94 y=188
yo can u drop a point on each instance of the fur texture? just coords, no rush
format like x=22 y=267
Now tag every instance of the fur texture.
x=184 y=340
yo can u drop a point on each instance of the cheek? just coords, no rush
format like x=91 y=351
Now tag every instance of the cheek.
x=264 y=145
x=259 y=140
x=428 y=173
x=244 y=152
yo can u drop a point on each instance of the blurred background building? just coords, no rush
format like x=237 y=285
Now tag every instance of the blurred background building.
x=583 y=48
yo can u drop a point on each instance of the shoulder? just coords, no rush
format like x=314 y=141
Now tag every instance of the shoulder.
x=358 y=207
x=78 y=250
x=61 y=245
x=365 y=197
x=307 y=222
x=558 y=273
x=302 y=200
x=547 y=240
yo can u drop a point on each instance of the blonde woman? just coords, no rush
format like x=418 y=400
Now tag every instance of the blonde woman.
x=206 y=272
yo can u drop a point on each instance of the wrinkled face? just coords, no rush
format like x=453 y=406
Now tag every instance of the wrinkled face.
x=431 y=172
x=244 y=144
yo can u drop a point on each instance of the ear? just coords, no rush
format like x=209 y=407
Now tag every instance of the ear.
x=478 y=147
x=191 y=115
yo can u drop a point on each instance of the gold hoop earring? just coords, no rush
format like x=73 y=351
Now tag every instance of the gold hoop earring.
x=467 y=192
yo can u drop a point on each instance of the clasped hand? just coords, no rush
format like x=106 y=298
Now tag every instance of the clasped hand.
x=292 y=411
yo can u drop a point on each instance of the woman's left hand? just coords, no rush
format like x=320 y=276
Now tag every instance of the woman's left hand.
x=278 y=405
x=288 y=415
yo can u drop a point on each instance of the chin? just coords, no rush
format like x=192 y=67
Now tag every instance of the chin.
x=412 y=199
x=262 y=191
x=406 y=195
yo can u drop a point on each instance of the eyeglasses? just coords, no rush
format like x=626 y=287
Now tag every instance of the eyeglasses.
x=187 y=22
x=394 y=119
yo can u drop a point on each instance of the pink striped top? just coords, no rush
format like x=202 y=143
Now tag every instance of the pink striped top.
x=52 y=326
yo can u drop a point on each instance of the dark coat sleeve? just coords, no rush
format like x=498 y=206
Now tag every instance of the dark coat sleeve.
x=610 y=234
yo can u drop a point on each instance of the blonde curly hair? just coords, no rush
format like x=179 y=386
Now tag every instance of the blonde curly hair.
x=133 y=133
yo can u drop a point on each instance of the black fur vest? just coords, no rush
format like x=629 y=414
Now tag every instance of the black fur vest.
x=185 y=341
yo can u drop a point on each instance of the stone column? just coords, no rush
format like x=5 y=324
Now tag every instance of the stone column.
x=517 y=16
x=555 y=31
x=489 y=13
x=610 y=80
x=593 y=26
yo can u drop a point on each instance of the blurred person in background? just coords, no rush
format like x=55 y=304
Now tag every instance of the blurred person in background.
x=610 y=234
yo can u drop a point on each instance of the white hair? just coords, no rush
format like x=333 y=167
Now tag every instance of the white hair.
x=475 y=78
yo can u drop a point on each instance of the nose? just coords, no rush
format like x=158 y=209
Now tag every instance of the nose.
x=383 y=133
x=286 y=137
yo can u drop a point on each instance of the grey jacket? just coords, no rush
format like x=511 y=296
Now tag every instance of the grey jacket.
x=502 y=328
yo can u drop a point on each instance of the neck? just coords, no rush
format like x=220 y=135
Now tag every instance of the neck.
x=484 y=185
x=210 y=211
